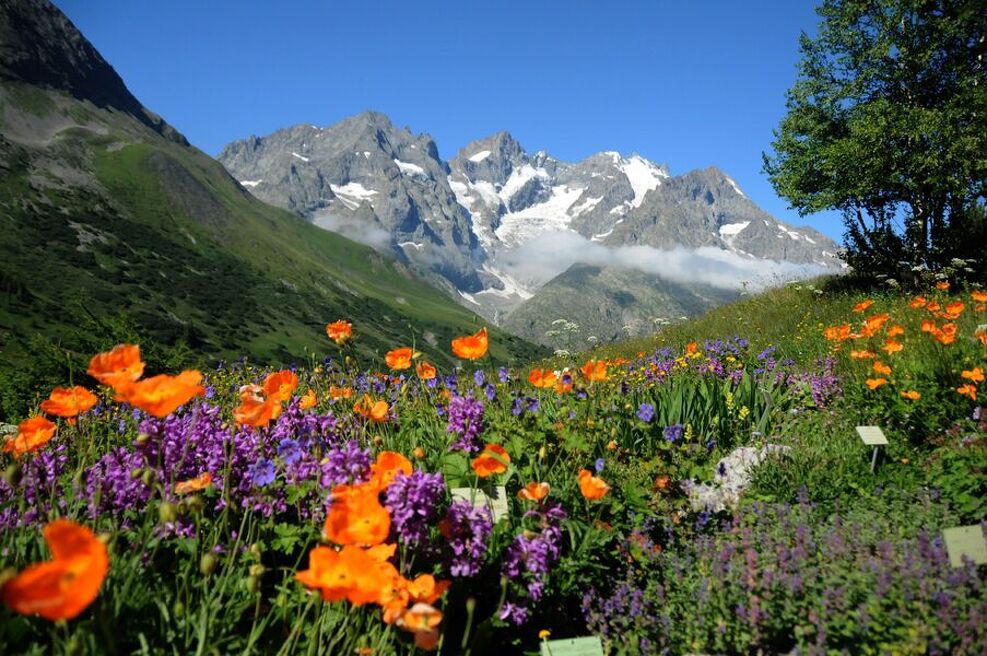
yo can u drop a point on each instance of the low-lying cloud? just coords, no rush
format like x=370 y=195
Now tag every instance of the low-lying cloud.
x=544 y=257
x=358 y=230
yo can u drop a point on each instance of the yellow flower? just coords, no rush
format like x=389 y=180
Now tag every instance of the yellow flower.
x=543 y=634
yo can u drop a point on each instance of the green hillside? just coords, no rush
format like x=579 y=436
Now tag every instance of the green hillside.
x=113 y=231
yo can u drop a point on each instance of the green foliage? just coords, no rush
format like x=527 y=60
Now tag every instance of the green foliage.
x=887 y=122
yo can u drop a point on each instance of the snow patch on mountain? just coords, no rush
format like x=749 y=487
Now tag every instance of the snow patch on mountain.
x=549 y=216
x=411 y=169
x=480 y=156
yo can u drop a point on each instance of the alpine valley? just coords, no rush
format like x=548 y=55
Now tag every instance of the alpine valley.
x=611 y=245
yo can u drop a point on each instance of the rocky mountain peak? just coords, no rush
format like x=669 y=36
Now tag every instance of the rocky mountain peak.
x=40 y=46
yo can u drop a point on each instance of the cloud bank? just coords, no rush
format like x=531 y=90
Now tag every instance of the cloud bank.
x=544 y=257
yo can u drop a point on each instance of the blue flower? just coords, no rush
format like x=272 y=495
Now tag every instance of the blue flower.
x=646 y=412
x=598 y=465
x=262 y=472
x=674 y=432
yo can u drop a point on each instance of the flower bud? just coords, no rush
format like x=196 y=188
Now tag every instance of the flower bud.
x=147 y=478
x=167 y=512
x=12 y=474
x=257 y=570
x=253 y=584
x=208 y=563
x=178 y=610
x=256 y=549
x=142 y=439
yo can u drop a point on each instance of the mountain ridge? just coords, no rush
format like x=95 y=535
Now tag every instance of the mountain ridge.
x=467 y=218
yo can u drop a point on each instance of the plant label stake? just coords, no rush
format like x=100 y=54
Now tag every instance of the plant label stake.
x=572 y=647
x=872 y=436
x=965 y=541
x=494 y=498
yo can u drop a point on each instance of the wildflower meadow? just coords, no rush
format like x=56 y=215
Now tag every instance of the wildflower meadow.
x=691 y=492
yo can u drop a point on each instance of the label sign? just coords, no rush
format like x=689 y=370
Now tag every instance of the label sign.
x=872 y=435
x=572 y=647
x=965 y=541
x=494 y=498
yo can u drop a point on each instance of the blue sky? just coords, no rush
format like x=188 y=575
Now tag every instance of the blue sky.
x=684 y=83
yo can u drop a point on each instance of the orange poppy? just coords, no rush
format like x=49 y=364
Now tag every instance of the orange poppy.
x=980 y=307
x=63 y=587
x=595 y=370
x=422 y=620
x=197 y=484
x=387 y=466
x=662 y=483
x=863 y=355
x=68 y=402
x=471 y=347
x=492 y=460
x=120 y=366
x=891 y=346
x=542 y=378
x=308 y=400
x=955 y=309
x=863 y=305
x=968 y=390
x=947 y=334
x=564 y=384
x=837 y=333
x=592 y=487
x=161 y=395
x=339 y=331
x=982 y=336
x=881 y=368
x=979 y=296
x=426 y=589
x=942 y=286
x=351 y=573
x=425 y=371
x=917 y=302
x=356 y=516
x=32 y=434
x=911 y=395
x=375 y=411
x=280 y=385
x=932 y=306
x=534 y=491
x=976 y=374
x=929 y=326
x=336 y=393
x=692 y=348
x=895 y=330
x=874 y=383
x=256 y=411
x=874 y=323
x=399 y=358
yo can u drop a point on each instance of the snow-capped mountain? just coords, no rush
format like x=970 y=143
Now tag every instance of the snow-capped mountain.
x=478 y=219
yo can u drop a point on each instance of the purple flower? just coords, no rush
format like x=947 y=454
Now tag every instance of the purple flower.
x=466 y=421
x=479 y=378
x=289 y=450
x=674 y=432
x=598 y=465
x=263 y=472
x=502 y=375
x=514 y=613
x=345 y=464
x=646 y=412
x=412 y=502
x=467 y=532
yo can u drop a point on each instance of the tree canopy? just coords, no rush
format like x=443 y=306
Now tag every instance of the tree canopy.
x=887 y=123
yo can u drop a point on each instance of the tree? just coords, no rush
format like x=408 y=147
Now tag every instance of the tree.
x=887 y=123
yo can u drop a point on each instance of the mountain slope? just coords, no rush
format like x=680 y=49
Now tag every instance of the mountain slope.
x=113 y=225
x=604 y=304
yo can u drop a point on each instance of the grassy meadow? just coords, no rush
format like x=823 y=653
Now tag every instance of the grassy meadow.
x=699 y=491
